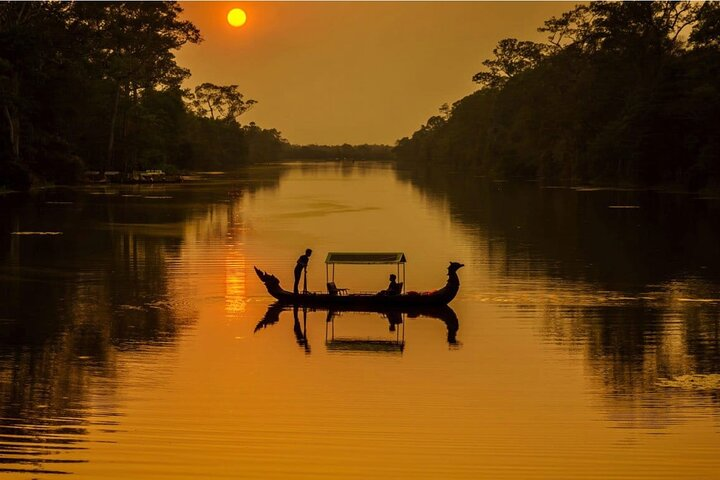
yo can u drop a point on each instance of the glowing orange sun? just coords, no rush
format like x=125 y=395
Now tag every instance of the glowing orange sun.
x=236 y=17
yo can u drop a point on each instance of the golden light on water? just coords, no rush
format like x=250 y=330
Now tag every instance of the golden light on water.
x=236 y=17
x=235 y=268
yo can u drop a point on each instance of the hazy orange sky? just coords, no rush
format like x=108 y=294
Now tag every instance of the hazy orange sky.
x=353 y=72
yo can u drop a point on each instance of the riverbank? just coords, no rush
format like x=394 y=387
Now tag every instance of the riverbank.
x=441 y=170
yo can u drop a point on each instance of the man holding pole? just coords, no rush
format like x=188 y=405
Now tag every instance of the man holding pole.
x=301 y=266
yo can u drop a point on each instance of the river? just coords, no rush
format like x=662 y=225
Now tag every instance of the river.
x=137 y=342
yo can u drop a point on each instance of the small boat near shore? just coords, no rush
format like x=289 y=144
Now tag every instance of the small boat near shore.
x=366 y=301
x=134 y=177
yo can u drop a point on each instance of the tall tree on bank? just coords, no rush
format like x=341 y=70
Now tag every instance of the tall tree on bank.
x=216 y=126
x=219 y=102
x=512 y=57
x=132 y=43
x=95 y=85
x=27 y=31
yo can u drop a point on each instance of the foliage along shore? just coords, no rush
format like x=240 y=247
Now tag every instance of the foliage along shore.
x=95 y=86
x=622 y=93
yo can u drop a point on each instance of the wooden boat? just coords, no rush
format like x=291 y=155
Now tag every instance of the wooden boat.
x=365 y=301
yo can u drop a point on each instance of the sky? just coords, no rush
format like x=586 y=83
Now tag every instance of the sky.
x=352 y=72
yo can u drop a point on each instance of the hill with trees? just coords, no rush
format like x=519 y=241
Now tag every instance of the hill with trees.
x=620 y=93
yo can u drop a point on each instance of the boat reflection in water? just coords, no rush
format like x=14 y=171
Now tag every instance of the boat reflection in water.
x=366 y=345
x=396 y=323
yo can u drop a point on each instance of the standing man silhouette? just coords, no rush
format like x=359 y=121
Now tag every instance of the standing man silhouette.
x=301 y=266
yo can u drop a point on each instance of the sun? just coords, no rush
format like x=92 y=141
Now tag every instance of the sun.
x=236 y=17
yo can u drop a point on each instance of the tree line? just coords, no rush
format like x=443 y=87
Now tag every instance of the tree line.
x=95 y=85
x=339 y=152
x=621 y=92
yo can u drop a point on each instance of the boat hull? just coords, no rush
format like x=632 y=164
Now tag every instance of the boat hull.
x=362 y=301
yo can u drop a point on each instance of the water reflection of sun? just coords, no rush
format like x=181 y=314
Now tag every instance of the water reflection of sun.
x=235 y=298
x=213 y=261
x=235 y=264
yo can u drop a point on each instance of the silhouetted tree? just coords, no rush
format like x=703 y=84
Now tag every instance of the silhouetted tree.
x=96 y=84
x=707 y=30
x=622 y=92
x=511 y=58
x=27 y=33
x=338 y=152
x=133 y=42
x=219 y=102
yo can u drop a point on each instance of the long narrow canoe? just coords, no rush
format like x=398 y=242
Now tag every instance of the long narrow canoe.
x=409 y=300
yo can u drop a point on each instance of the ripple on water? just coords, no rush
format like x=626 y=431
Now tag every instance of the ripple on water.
x=697 y=382
x=46 y=446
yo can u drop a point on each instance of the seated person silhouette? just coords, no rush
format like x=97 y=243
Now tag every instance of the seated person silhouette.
x=394 y=288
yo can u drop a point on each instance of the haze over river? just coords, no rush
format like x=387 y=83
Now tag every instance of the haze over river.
x=136 y=340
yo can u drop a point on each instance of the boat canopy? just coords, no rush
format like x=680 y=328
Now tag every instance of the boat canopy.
x=365 y=258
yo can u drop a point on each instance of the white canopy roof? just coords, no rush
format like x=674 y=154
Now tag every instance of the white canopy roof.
x=365 y=257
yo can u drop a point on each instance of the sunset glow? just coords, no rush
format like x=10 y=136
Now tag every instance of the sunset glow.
x=364 y=66
x=387 y=239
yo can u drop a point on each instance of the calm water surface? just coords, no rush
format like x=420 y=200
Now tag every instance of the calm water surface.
x=136 y=341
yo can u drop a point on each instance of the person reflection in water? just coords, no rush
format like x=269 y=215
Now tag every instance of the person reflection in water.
x=394 y=288
x=301 y=266
x=394 y=318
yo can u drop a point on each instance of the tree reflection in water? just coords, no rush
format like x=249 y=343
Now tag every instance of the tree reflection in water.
x=72 y=304
x=637 y=289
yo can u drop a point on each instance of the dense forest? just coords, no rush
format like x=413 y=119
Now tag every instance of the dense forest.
x=620 y=93
x=95 y=85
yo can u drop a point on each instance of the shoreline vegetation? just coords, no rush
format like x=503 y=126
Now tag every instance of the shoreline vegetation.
x=94 y=86
x=92 y=90
x=621 y=94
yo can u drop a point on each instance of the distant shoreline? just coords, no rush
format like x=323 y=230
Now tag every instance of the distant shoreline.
x=204 y=176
